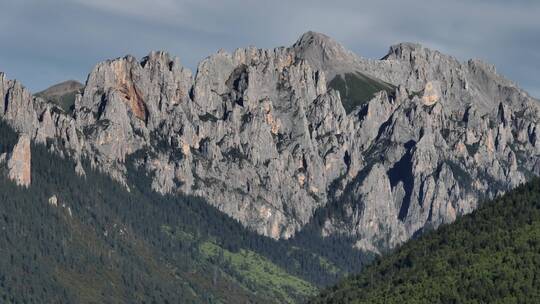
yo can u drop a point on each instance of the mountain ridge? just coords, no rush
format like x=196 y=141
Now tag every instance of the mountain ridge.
x=266 y=136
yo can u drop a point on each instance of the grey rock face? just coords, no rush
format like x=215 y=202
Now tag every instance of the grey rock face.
x=260 y=135
x=40 y=120
x=450 y=140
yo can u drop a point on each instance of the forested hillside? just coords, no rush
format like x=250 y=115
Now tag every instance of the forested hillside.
x=71 y=239
x=489 y=256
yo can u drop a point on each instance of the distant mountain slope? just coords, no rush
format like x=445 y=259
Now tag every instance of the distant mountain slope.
x=63 y=94
x=73 y=239
x=357 y=89
x=489 y=256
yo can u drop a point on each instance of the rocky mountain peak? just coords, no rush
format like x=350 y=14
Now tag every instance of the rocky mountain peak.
x=403 y=50
x=410 y=142
x=320 y=42
x=415 y=53
x=324 y=53
x=161 y=57
x=421 y=58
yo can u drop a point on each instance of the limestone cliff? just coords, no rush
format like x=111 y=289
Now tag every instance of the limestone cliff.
x=265 y=136
x=19 y=162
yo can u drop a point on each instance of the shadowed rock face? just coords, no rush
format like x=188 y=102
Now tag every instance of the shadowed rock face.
x=261 y=135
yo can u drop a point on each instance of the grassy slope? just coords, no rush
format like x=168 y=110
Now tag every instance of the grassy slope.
x=247 y=268
x=490 y=256
x=256 y=270
x=356 y=89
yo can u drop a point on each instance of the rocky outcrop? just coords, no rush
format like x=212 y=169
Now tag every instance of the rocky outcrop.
x=19 y=163
x=264 y=137
x=432 y=93
x=53 y=201
x=42 y=121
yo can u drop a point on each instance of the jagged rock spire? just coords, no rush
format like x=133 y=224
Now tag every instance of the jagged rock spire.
x=264 y=137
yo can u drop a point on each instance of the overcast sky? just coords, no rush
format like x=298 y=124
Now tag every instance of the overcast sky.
x=43 y=42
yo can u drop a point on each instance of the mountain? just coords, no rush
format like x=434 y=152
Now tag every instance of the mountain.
x=66 y=238
x=266 y=137
x=489 y=256
x=63 y=94
x=342 y=68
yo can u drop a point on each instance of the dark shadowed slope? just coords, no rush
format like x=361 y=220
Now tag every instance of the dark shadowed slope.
x=357 y=89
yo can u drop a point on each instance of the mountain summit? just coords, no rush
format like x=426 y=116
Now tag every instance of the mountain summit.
x=324 y=53
x=311 y=135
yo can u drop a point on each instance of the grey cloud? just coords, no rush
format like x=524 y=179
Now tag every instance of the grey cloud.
x=46 y=41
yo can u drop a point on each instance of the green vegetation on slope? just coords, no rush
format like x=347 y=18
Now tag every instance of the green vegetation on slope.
x=356 y=89
x=257 y=271
x=245 y=267
x=489 y=256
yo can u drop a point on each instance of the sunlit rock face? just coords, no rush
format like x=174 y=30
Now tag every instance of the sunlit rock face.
x=265 y=137
x=19 y=163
